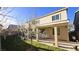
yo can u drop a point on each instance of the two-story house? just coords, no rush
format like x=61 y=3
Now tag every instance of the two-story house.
x=54 y=26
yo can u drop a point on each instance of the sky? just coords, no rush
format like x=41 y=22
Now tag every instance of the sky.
x=20 y=15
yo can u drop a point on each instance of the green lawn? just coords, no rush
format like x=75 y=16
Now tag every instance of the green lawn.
x=15 y=43
x=41 y=46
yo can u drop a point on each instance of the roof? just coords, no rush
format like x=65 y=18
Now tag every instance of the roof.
x=53 y=12
x=50 y=13
x=77 y=11
x=13 y=27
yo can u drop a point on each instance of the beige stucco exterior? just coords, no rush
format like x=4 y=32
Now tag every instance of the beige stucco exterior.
x=48 y=18
x=48 y=24
x=63 y=33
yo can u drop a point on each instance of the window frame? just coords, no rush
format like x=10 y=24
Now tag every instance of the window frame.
x=54 y=17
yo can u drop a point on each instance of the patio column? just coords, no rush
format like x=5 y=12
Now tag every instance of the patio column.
x=55 y=37
x=37 y=34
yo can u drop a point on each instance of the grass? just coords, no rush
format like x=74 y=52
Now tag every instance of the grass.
x=41 y=46
x=15 y=43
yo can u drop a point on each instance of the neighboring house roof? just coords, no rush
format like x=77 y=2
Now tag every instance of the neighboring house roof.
x=77 y=11
x=76 y=18
x=13 y=27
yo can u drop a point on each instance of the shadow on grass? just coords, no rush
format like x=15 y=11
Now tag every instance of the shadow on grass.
x=15 y=43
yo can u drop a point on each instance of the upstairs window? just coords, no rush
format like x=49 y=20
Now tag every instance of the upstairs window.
x=56 y=17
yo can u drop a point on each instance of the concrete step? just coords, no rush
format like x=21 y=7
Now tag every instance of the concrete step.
x=67 y=46
x=70 y=44
x=67 y=49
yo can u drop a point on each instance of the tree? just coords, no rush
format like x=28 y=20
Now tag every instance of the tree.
x=71 y=27
x=3 y=13
x=31 y=29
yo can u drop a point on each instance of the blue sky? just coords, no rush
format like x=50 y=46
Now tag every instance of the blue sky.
x=23 y=13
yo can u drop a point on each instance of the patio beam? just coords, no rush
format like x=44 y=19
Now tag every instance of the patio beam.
x=55 y=37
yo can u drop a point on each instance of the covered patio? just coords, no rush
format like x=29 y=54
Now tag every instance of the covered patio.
x=53 y=32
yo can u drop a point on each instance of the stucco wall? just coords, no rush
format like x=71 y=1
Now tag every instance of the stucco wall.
x=48 y=18
x=63 y=33
x=49 y=32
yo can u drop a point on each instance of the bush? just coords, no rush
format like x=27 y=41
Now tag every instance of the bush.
x=14 y=43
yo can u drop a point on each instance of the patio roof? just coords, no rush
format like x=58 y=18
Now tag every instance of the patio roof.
x=54 y=23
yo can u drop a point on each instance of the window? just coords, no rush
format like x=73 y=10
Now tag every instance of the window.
x=58 y=31
x=56 y=17
x=53 y=31
x=53 y=17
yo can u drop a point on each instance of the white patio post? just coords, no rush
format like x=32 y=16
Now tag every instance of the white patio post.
x=55 y=37
x=37 y=34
